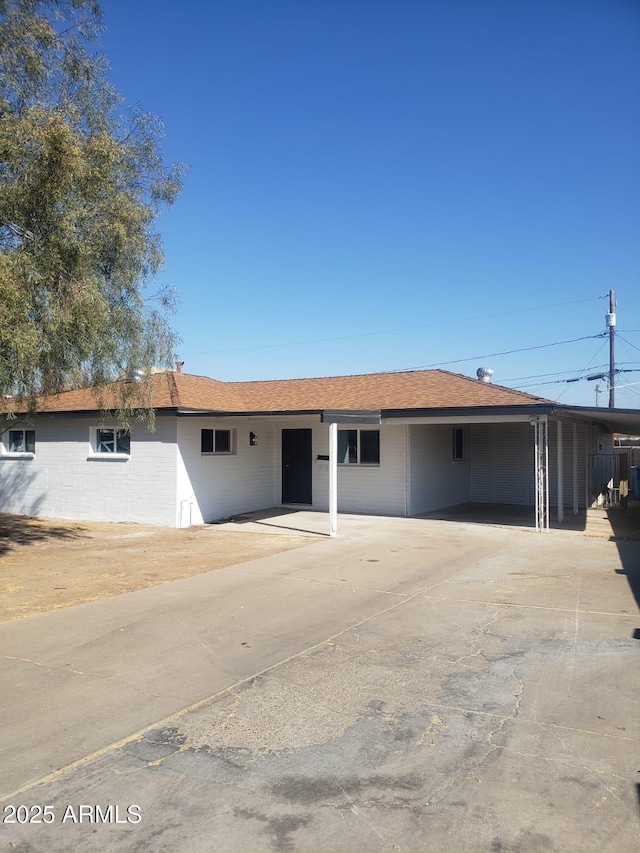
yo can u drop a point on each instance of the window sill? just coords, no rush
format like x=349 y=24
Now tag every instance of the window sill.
x=17 y=455
x=218 y=454
x=118 y=457
x=358 y=464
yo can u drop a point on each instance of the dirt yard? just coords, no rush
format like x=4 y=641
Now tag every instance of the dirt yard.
x=46 y=564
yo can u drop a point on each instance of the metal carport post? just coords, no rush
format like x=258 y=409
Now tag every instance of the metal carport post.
x=333 y=419
x=333 y=479
x=541 y=460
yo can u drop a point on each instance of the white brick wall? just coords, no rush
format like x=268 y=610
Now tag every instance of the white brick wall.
x=377 y=490
x=163 y=484
x=212 y=487
x=63 y=481
x=437 y=481
x=215 y=487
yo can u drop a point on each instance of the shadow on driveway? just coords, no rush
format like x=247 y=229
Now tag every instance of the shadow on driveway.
x=626 y=532
x=505 y=515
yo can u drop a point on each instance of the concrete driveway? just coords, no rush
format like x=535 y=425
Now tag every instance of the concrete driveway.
x=414 y=685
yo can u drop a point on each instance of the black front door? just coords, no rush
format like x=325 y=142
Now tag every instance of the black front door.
x=296 y=466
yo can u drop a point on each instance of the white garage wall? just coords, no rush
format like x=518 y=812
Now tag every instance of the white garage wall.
x=63 y=480
x=502 y=463
x=436 y=481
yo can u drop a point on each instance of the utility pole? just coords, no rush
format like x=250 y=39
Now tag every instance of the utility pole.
x=611 y=324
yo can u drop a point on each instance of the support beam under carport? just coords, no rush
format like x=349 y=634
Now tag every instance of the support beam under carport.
x=560 y=471
x=333 y=479
x=333 y=418
x=541 y=473
x=575 y=469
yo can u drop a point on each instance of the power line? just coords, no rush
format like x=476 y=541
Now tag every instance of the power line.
x=579 y=379
x=391 y=331
x=629 y=392
x=562 y=381
x=588 y=364
x=628 y=342
x=562 y=372
x=539 y=384
x=506 y=352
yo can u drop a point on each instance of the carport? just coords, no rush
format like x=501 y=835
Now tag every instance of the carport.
x=601 y=426
x=546 y=450
x=536 y=458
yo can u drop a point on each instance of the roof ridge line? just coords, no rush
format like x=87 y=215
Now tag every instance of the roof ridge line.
x=335 y=376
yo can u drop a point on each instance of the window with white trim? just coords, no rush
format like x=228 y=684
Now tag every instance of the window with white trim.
x=113 y=440
x=458 y=445
x=358 y=446
x=20 y=441
x=217 y=441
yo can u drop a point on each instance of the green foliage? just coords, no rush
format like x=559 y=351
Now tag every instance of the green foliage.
x=82 y=180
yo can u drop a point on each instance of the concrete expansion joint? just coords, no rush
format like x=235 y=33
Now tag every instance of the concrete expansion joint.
x=72 y=671
x=316 y=582
x=518 y=606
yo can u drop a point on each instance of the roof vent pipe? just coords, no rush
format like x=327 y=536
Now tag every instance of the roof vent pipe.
x=484 y=374
x=179 y=366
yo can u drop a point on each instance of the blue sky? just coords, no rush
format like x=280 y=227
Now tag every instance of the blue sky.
x=388 y=184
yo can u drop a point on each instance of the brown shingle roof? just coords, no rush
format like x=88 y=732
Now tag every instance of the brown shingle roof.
x=418 y=389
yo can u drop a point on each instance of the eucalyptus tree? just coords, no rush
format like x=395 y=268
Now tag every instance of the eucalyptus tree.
x=82 y=180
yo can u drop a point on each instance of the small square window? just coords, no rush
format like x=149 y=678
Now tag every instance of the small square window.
x=113 y=440
x=359 y=446
x=216 y=441
x=21 y=441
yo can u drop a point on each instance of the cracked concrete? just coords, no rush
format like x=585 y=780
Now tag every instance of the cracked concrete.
x=477 y=699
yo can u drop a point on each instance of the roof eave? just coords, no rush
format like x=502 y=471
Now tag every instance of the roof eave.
x=464 y=411
x=83 y=413
x=184 y=411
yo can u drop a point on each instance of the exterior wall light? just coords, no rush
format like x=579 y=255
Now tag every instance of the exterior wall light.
x=253 y=439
